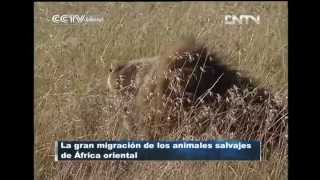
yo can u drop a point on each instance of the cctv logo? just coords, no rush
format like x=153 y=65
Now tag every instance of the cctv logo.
x=68 y=19
x=242 y=19
x=74 y=19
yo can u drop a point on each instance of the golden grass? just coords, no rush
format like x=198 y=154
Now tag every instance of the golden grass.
x=71 y=67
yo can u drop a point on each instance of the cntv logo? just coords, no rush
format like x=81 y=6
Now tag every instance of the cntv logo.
x=241 y=19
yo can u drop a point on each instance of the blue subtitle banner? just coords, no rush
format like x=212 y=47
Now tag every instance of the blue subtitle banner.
x=158 y=150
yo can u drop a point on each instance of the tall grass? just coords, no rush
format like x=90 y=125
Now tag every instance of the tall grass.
x=72 y=100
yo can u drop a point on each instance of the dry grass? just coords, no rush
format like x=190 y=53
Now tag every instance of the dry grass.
x=72 y=101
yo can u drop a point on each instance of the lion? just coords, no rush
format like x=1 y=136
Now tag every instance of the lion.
x=184 y=75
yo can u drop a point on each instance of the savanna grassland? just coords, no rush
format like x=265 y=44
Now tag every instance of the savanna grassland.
x=72 y=100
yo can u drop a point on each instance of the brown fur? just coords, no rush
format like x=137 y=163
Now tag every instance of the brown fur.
x=184 y=75
x=125 y=78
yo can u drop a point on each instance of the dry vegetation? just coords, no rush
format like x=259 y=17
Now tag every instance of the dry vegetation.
x=72 y=101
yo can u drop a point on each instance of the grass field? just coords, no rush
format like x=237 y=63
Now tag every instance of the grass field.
x=72 y=64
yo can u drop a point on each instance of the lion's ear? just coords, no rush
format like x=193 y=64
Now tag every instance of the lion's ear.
x=115 y=67
x=111 y=67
